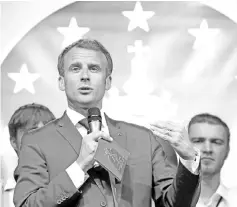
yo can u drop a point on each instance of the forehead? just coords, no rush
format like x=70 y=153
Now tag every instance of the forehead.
x=85 y=56
x=206 y=130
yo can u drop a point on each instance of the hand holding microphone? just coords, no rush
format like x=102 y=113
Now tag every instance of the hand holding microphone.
x=90 y=141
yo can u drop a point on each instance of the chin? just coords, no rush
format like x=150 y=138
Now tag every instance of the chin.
x=208 y=171
x=87 y=103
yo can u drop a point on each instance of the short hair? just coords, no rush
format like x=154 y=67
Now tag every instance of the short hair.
x=28 y=117
x=89 y=44
x=210 y=119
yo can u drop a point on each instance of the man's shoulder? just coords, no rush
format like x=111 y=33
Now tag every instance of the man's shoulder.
x=228 y=193
x=46 y=128
x=233 y=191
x=129 y=126
x=232 y=196
x=33 y=135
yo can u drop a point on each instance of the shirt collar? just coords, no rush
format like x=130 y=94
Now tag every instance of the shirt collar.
x=221 y=191
x=75 y=117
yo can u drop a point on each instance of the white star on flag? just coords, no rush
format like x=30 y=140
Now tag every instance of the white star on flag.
x=24 y=79
x=138 y=17
x=73 y=32
x=204 y=35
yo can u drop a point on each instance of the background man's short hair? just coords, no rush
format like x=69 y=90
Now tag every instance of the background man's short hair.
x=210 y=119
x=28 y=117
x=89 y=44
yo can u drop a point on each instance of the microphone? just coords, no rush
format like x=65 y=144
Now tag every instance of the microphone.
x=95 y=123
x=94 y=119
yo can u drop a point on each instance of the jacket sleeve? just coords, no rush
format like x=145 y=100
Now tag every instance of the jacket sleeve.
x=34 y=188
x=172 y=186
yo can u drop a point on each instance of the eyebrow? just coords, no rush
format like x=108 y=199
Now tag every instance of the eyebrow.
x=93 y=64
x=89 y=64
x=211 y=139
x=76 y=64
x=202 y=138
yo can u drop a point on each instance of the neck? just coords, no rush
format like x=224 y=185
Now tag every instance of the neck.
x=209 y=185
x=82 y=109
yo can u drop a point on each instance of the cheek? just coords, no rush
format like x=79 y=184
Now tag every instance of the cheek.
x=71 y=84
x=221 y=154
x=100 y=84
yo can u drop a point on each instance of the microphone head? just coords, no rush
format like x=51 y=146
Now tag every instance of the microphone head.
x=94 y=114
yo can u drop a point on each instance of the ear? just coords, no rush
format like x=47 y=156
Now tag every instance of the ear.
x=61 y=83
x=13 y=143
x=108 y=82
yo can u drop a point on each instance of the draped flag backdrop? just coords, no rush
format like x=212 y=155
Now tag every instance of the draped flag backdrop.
x=172 y=60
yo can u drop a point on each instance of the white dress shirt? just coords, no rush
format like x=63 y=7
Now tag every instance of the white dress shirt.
x=229 y=198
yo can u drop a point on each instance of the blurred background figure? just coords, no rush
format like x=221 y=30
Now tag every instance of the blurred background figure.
x=27 y=117
x=212 y=136
x=24 y=119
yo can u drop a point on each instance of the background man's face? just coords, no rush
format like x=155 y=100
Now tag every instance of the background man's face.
x=85 y=79
x=213 y=143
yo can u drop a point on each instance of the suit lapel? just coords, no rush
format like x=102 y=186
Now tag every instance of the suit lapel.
x=119 y=136
x=66 y=128
x=116 y=132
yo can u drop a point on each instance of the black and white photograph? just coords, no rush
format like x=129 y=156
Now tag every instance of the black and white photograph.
x=118 y=103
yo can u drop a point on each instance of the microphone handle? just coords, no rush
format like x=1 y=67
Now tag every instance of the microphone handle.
x=95 y=125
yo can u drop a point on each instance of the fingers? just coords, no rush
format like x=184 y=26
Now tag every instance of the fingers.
x=167 y=134
x=162 y=133
x=99 y=135
x=159 y=133
x=170 y=126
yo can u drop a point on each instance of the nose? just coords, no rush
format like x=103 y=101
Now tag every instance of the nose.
x=85 y=74
x=207 y=148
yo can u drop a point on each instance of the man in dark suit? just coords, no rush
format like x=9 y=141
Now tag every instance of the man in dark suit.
x=56 y=165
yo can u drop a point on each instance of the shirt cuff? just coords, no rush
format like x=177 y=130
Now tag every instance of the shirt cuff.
x=10 y=184
x=76 y=174
x=192 y=165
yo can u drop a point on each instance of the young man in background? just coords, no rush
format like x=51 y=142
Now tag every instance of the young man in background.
x=24 y=119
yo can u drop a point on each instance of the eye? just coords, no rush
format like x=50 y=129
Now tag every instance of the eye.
x=217 y=141
x=94 y=68
x=75 y=68
x=196 y=140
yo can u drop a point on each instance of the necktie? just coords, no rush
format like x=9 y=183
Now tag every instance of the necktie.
x=84 y=123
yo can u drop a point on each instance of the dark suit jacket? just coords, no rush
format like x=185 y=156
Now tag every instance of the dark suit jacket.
x=48 y=151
